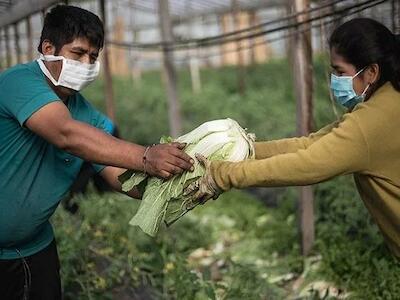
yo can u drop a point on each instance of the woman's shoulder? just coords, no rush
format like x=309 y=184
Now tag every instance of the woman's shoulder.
x=385 y=100
x=386 y=93
x=380 y=113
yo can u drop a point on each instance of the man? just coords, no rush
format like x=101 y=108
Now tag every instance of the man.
x=47 y=130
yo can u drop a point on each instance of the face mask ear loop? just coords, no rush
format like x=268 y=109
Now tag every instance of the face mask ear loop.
x=365 y=91
x=46 y=71
x=63 y=62
x=359 y=72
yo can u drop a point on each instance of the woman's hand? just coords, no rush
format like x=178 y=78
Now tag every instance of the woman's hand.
x=205 y=187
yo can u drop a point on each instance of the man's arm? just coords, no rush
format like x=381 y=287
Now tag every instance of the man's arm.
x=54 y=123
x=110 y=174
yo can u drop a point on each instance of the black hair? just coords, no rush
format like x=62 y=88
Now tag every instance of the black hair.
x=363 y=41
x=65 y=23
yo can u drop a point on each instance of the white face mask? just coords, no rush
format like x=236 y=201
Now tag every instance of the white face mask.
x=74 y=74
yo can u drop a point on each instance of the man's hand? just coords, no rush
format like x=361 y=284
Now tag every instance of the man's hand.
x=166 y=160
x=110 y=175
x=205 y=187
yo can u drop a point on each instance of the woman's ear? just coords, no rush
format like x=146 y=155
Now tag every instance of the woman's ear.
x=371 y=74
x=48 y=48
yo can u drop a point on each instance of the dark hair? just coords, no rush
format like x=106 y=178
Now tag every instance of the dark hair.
x=65 y=23
x=363 y=41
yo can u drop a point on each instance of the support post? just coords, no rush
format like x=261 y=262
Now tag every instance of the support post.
x=16 y=42
x=108 y=86
x=303 y=71
x=8 y=50
x=241 y=72
x=170 y=76
x=193 y=60
x=29 y=38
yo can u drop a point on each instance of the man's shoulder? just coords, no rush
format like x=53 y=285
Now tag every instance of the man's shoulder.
x=83 y=110
x=20 y=71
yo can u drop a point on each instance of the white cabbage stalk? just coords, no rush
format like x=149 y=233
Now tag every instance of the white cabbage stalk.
x=163 y=200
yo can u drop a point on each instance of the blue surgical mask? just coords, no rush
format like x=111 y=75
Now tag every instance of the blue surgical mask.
x=343 y=91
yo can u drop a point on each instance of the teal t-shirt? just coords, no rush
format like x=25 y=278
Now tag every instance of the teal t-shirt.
x=34 y=174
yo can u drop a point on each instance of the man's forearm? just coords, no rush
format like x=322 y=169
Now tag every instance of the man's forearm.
x=94 y=145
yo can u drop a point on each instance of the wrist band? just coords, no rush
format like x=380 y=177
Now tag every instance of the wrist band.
x=145 y=157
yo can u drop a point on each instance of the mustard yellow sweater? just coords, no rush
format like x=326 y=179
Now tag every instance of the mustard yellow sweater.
x=365 y=142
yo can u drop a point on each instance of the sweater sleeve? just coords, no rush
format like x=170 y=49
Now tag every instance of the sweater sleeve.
x=342 y=151
x=290 y=145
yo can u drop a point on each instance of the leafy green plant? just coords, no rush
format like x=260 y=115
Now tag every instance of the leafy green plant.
x=236 y=246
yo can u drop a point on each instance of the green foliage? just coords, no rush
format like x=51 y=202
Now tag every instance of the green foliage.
x=354 y=253
x=102 y=256
x=234 y=248
x=267 y=108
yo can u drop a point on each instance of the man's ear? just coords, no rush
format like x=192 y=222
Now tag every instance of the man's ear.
x=48 y=48
x=372 y=73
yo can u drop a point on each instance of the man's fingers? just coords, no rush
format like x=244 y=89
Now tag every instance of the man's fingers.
x=183 y=156
x=180 y=146
x=182 y=164
x=169 y=158
x=174 y=169
x=164 y=174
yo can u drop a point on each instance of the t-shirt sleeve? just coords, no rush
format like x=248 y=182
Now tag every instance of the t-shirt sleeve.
x=24 y=92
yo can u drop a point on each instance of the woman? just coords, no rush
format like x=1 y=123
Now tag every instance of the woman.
x=365 y=57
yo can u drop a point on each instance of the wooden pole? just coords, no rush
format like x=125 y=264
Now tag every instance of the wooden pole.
x=108 y=86
x=289 y=40
x=16 y=41
x=303 y=85
x=337 y=21
x=241 y=74
x=253 y=22
x=8 y=50
x=134 y=65
x=193 y=60
x=136 y=71
x=397 y=30
x=195 y=71
x=43 y=14
x=393 y=11
x=170 y=76
x=29 y=37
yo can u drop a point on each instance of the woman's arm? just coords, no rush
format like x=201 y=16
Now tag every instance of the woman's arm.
x=343 y=150
x=289 y=145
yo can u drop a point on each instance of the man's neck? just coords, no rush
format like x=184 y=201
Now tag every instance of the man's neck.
x=57 y=90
